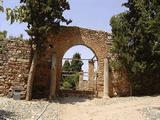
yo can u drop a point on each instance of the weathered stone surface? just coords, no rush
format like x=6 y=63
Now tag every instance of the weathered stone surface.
x=14 y=65
x=99 y=42
x=15 y=62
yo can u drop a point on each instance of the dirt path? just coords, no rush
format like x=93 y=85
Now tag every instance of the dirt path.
x=74 y=108
x=130 y=108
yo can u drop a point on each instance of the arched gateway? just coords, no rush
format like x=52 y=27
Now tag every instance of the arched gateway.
x=15 y=64
x=97 y=41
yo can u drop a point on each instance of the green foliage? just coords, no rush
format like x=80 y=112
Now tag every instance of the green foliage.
x=1 y=6
x=3 y=35
x=42 y=16
x=116 y=64
x=70 y=82
x=66 y=66
x=21 y=36
x=66 y=84
x=72 y=70
x=136 y=40
x=76 y=63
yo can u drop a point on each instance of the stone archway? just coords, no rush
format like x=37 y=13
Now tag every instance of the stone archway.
x=97 y=41
x=15 y=65
x=87 y=75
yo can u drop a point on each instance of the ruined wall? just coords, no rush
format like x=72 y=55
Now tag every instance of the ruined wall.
x=68 y=37
x=15 y=62
x=119 y=83
x=14 y=66
x=82 y=84
x=100 y=43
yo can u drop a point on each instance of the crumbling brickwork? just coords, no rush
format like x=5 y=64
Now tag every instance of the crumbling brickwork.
x=14 y=66
x=15 y=62
x=70 y=36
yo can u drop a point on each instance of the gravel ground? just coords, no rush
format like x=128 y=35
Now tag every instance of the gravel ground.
x=151 y=113
x=74 y=108
x=22 y=110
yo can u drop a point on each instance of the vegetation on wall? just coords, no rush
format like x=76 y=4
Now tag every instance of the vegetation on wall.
x=1 y=6
x=136 y=42
x=3 y=35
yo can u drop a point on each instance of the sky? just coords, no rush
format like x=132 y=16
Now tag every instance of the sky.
x=92 y=14
x=85 y=53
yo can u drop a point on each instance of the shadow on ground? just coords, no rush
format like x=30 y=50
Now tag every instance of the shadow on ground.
x=72 y=100
x=157 y=108
x=6 y=115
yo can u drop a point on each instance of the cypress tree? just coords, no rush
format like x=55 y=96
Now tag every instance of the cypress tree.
x=136 y=35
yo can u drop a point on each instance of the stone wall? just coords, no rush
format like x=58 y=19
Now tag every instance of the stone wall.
x=100 y=43
x=82 y=84
x=14 y=66
x=15 y=63
x=119 y=84
x=68 y=37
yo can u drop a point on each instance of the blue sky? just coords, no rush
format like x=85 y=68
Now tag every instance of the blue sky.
x=92 y=14
x=85 y=53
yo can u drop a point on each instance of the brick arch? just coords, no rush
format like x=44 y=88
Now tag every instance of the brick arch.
x=71 y=36
x=84 y=46
x=16 y=56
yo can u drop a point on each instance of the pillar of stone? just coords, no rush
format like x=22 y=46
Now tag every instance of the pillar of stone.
x=53 y=77
x=91 y=74
x=80 y=85
x=106 y=78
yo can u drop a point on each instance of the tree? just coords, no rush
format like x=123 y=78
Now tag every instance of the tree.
x=72 y=72
x=42 y=16
x=66 y=66
x=3 y=35
x=136 y=41
x=76 y=63
x=70 y=82
x=21 y=36
x=65 y=79
x=1 y=6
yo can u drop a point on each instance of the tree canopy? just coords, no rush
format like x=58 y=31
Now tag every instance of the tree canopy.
x=76 y=63
x=136 y=40
x=66 y=66
x=3 y=34
x=1 y=6
x=42 y=16
x=72 y=70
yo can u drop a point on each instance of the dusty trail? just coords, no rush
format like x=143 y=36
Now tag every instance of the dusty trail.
x=130 y=108
x=74 y=108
